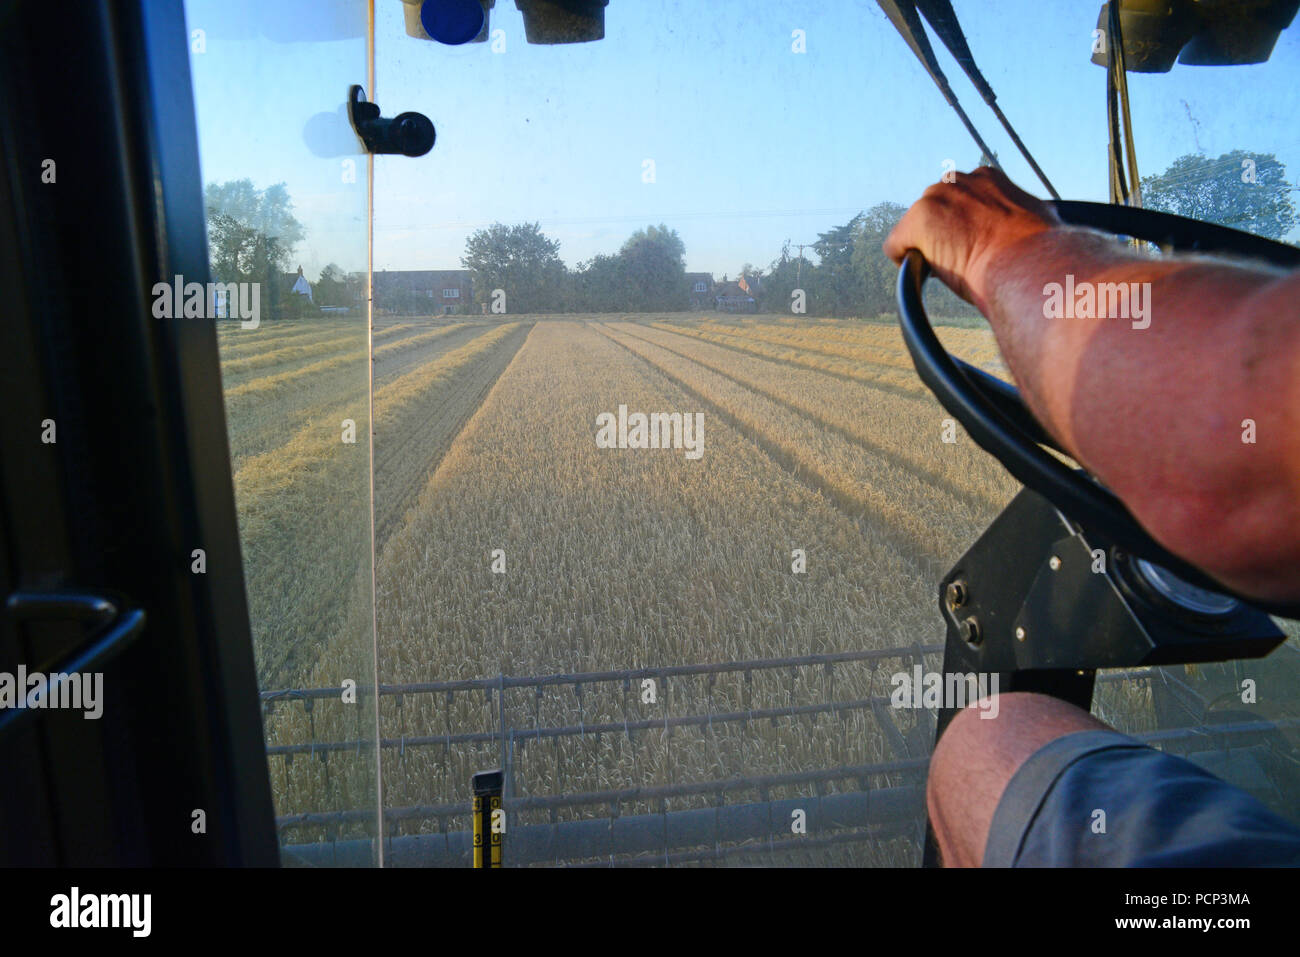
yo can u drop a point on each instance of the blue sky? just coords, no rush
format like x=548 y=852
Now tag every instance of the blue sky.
x=752 y=143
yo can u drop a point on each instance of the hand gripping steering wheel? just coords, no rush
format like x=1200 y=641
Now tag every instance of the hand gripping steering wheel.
x=994 y=415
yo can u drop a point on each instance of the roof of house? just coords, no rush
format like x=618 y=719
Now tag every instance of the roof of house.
x=420 y=278
x=731 y=290
x=297 y=282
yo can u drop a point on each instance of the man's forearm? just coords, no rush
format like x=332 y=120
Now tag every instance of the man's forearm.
x=1192 y=419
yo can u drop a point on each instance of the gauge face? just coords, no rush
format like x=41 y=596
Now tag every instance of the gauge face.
x=1194 y=599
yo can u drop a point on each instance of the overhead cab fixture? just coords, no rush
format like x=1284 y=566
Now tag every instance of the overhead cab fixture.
x=1156 y=33
x=454 y=22
x=563 y=21
x=411 y=134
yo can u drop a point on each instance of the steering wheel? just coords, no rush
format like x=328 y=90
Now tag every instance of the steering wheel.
x=994 y=415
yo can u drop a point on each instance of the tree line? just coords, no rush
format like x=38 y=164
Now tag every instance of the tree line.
x=647 y=274
x=845 y=274
x=252 y=234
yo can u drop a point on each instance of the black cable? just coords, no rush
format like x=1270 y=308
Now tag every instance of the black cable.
x=943 y=20
x=902 y=14
x=1127 y=192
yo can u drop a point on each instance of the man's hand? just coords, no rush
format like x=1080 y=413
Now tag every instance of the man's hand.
x=1192 y=418
x=959 y=226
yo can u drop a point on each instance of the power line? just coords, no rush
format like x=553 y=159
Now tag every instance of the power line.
x=798 y=269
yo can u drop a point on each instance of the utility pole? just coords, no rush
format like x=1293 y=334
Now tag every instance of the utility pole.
x=798 y=269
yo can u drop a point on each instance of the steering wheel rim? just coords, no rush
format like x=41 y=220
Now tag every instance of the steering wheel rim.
x=996 y=418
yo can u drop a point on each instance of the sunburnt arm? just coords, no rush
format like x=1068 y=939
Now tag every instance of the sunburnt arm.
x=1188 y=411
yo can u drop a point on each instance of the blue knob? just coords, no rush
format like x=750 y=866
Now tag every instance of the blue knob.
x=452 y=21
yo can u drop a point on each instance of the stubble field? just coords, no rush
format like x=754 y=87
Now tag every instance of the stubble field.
x=508 y=545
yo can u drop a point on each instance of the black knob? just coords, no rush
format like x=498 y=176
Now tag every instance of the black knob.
x=411 y=134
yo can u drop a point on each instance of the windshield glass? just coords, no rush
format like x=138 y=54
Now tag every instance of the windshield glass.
x=285 y=191
x=698 y=645
x=661 y=508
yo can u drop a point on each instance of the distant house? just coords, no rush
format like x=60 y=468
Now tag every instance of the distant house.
x=301 y=286
x=700 y=289
x=423 y=292
x=735 y=296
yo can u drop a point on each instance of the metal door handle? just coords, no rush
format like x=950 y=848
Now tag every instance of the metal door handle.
x=118 y=628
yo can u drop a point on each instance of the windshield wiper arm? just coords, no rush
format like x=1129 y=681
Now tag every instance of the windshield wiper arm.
x=943 y=21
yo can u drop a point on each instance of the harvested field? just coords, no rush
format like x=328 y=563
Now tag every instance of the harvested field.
x=817 y=519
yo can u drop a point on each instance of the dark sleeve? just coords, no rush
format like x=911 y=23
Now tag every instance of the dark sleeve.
x=1160 y=811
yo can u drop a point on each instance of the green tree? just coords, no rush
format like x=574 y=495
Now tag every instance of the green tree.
x=839 y=292
x=250 y=229
x=251 y=237
x=332 y=288
x=520 y=260
x=600 y=285
x=654 y=270
x=787 y=273
x=874 y=273
x=1243 y=190
x=355 y=283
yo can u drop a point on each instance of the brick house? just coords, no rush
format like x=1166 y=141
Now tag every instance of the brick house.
x=700 y=289
x=423 y=292
x=736 y=296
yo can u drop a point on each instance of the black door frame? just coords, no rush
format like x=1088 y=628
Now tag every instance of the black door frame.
x=138 y=476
